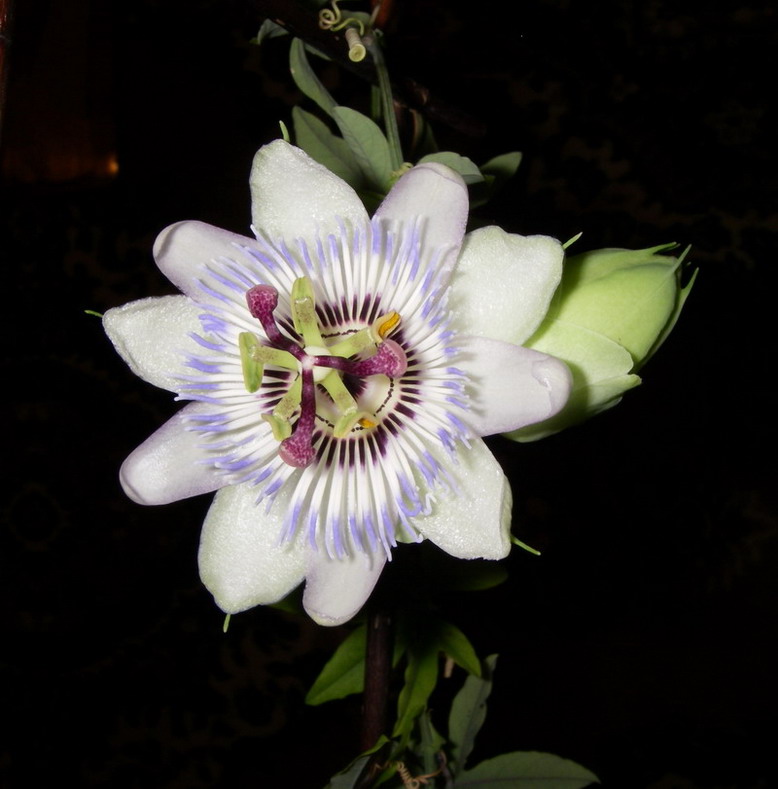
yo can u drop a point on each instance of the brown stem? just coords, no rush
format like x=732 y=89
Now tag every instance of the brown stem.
x=378 y=664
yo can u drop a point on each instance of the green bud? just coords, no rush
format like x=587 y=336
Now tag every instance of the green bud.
x=611 y=312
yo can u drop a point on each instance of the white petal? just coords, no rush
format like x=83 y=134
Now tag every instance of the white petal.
x=511 y=385
x=292 y=196
x=503 y=283
x=241 y=561
x=182 y=251
x=472 y=522
x=335 y=589
x=169 y=465
x=150 y=336
x=438 y=196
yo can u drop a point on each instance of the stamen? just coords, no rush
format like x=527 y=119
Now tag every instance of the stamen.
x=337 y=390
x=281 y=428
x=252 y=369
x=318 y=363
x=386 y=324
x=346 y=423
x=254 y=356
x=353 y=344
x=280 y=420
x=289 y=403
x=304 y=312
x=276 y=356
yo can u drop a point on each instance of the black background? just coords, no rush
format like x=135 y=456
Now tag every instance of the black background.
x=641 y=644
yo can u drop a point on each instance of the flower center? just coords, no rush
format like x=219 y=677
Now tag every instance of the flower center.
x=367 y=352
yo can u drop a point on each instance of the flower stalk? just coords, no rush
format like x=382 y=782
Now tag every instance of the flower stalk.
x=378 y=664
x=387 y=101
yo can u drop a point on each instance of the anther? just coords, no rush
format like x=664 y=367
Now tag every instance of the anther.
x=386 y=324
x=252 y=369
x=304 y=311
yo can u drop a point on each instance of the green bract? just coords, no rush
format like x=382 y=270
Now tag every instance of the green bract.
x=611 y=312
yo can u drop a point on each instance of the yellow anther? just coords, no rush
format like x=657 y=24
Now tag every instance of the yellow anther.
x=386 y=324
x=348 y=421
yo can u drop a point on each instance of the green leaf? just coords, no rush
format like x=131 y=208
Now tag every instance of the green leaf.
x=431 y=742
x=421 y=674
x=467 y=168
x=350 y=777
x=454 y=643
x=306 y=79
x=527 y=770
x=368 y=144
x=344 y=672
x=468 y=712
x=269 y=29
x=313 y=136
x=502 y=167
x=496 y=172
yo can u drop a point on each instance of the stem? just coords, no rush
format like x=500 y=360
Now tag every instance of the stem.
x=387 y=102
x=378 y=664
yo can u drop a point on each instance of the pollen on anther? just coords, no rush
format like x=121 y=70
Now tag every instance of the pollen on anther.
x=388 y=324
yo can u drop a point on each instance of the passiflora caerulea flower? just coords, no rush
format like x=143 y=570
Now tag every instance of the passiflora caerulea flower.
x=342 y=371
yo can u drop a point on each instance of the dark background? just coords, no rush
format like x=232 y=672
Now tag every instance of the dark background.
x=641 y=644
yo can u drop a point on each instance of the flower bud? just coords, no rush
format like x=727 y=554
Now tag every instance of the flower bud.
x=611 y=312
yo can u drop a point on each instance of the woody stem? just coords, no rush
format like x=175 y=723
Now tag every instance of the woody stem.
x=378 y=664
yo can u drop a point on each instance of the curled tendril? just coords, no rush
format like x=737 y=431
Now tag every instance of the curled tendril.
x=333 y=19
